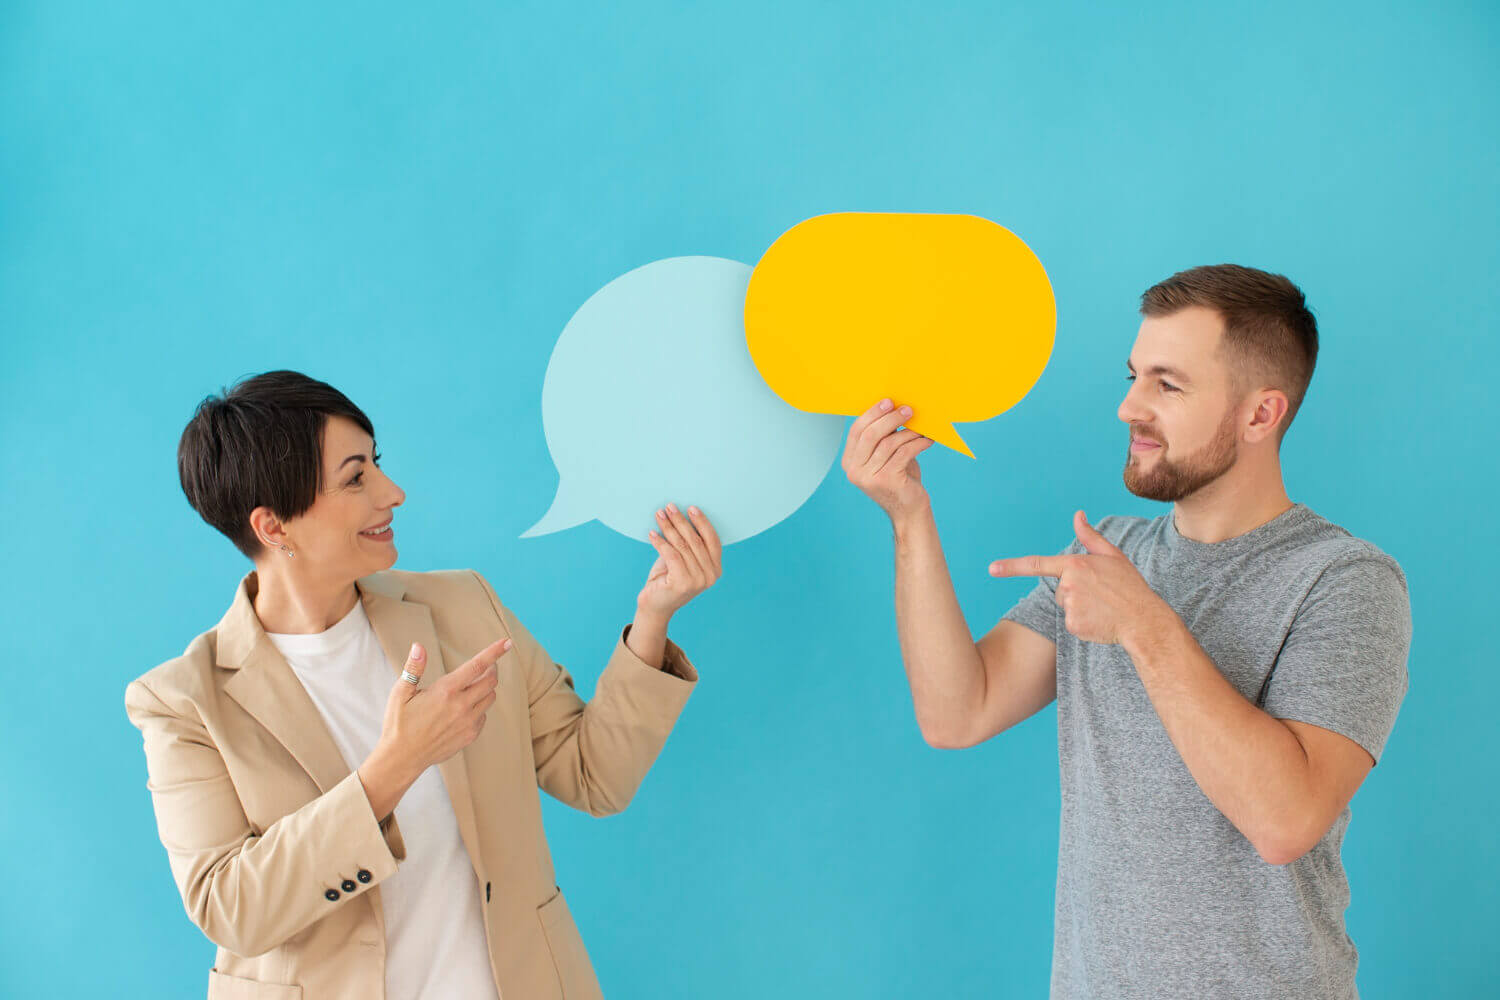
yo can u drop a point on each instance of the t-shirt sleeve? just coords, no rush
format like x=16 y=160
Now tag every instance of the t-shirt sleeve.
x=1343 y=665
x=1038 y=610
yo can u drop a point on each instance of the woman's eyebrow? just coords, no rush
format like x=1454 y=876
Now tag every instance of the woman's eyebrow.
x=351 y=458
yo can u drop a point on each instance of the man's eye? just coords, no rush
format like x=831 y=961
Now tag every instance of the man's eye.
x=1168 y=386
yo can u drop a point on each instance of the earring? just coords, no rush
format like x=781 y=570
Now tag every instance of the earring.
x=287 y=551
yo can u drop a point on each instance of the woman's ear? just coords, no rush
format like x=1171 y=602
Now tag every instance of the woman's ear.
x=267 y=527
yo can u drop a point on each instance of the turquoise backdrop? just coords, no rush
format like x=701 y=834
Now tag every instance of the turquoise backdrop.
x=410 y=201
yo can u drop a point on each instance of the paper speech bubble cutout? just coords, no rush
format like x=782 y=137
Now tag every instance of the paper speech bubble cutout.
x=650 y=397
x=951 y=314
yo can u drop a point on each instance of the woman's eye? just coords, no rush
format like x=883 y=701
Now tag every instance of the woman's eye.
x=360 y=475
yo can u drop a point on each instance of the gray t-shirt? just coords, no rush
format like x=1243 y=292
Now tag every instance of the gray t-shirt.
x=1158 y=894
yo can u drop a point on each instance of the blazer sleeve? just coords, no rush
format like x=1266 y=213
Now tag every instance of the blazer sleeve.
x=250 y=891
x=594 y=755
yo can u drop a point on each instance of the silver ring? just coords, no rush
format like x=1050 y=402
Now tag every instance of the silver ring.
x=409 y=677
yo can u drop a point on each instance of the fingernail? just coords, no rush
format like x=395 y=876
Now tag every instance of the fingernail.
x=693 y=510
x=660 y=515
x=906 y=411
x=672 y=507
x=885 y=404
x=416 y=652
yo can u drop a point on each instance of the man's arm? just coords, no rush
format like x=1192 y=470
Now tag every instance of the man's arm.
x=963 y=692
x=1280 y=775
x=1281 y=783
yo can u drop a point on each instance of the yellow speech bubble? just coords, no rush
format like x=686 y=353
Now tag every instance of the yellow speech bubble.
x=950 y=314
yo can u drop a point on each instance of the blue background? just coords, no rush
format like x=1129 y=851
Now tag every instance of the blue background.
x=410 y=202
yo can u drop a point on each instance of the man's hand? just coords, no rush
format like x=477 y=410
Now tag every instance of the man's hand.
x=1103 y=596
x=882 y=461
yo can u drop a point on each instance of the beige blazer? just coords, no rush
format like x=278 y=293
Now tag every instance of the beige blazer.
x=271 y=838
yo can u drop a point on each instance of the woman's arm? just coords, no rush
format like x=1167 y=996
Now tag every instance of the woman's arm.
x=593 y=755
x=249 y=892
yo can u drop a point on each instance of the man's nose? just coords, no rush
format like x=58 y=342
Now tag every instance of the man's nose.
x=1129 y=412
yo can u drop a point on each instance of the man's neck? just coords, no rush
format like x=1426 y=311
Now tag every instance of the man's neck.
x=1242 y=500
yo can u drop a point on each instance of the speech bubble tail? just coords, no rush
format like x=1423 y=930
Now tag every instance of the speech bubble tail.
x=943 y=433
x=559 y=517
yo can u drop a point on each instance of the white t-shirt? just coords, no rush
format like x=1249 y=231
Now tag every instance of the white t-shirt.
x=434 y=930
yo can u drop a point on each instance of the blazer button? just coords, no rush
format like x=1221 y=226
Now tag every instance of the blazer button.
x=331 y=895
x=364 y=876
x=348 y=885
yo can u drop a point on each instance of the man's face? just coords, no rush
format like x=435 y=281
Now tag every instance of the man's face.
x=1183 y=425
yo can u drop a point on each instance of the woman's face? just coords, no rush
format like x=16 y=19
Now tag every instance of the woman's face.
x=336 y=537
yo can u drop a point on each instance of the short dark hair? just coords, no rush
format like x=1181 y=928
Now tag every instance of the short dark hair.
x=1270 y=335
x=259 y=443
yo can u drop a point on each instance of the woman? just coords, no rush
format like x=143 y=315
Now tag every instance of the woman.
x=290 y=749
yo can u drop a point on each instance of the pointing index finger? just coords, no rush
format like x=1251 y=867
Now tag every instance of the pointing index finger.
x=476 y=667
x=1030 y=566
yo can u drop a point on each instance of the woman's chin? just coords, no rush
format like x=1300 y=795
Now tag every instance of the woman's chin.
x=386 y=560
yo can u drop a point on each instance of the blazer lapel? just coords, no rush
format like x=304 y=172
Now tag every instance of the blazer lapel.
x=269 y=690
x=398 y=624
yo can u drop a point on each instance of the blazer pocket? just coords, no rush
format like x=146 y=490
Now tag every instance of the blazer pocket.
x=223 y=987
x=574 y=971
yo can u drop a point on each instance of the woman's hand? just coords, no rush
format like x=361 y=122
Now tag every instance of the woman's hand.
x=689 y=559
x=427 y=726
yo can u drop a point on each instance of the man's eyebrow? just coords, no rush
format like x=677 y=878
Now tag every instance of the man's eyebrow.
x=1180 y=376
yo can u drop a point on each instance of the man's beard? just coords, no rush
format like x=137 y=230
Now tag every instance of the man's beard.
x=1159 y=478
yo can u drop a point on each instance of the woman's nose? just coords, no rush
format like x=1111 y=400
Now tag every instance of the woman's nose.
x=398 y=495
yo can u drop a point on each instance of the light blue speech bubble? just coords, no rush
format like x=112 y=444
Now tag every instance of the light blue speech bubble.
x=651 y=397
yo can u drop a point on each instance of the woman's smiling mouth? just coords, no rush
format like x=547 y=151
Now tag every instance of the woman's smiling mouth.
x=384 y=533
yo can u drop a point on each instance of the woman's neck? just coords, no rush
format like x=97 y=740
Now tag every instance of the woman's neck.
x=287 y=603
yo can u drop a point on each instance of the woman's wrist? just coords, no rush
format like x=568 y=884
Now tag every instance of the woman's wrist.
x=384 y=782
x=647 y=636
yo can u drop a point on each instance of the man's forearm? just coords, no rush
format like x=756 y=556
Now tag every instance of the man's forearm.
x=942 y=662
x=1251 y=766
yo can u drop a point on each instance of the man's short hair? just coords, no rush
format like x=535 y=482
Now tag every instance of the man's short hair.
x=1270 y=337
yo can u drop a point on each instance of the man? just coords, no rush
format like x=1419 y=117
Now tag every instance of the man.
x=1226 y=674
